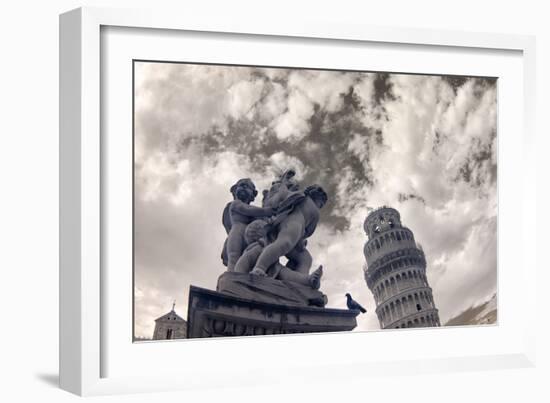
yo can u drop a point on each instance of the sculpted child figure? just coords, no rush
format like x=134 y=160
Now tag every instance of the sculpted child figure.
x=284 y=194
x=296 y=222
x=241 y=213
x=257 y=238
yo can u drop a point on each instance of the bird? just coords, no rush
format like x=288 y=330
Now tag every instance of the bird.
x=354 y=305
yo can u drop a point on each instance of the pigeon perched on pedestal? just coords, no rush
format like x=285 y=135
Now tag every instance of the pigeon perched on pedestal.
x=354 y=305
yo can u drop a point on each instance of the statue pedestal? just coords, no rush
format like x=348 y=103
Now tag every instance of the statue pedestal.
x=267 y=289
x=215 y=314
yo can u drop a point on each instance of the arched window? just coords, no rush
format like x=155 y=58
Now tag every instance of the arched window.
x=398 y=236
x=392 y=236
x=418 y=307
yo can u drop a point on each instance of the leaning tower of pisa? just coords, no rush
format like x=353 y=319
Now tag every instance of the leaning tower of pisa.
x=396 y=273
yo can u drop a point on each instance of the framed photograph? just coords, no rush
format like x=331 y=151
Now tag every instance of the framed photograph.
x=318 y=195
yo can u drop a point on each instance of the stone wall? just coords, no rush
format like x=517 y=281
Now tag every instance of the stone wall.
x=178 y=328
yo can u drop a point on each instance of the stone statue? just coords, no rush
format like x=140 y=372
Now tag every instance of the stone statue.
x=259 y=236
x=258 y=293
x=296 y=220
x=237 y=215
x=284 y=195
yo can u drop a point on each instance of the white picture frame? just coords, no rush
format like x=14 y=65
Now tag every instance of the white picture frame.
x=83 y=307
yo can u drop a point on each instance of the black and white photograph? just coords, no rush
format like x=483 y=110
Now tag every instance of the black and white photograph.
x=233 y=201
x=276 y=200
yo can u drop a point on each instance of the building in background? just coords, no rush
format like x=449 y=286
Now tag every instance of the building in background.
x=170 y=326
x=396 y=273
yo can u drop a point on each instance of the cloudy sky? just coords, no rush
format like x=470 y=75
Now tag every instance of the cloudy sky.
x=425 y=145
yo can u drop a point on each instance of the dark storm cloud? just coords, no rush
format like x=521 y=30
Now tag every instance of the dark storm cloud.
x=325 y=152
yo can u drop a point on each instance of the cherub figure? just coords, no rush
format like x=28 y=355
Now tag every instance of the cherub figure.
x=240 y=213
x=257 y=237
x=284 y=194
x=296 y=221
